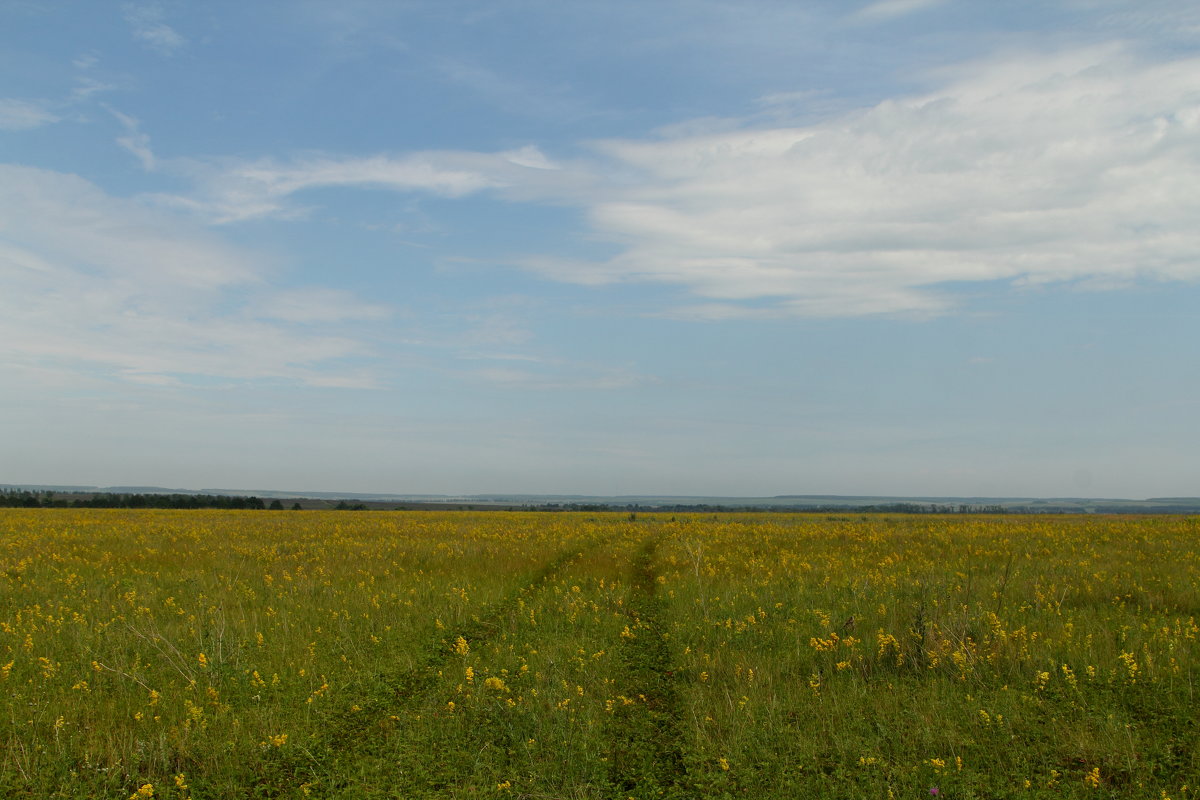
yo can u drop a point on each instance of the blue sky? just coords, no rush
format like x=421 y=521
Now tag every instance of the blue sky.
x=909 y=247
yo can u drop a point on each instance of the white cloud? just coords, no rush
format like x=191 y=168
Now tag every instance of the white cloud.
x=890 y=9
x=95 y=280
x=231 y=190
x=134 y=140
x=23 y=115
x=146 y=22
x=529 y=156
x=85 y=61
x=1080 y=166
x=85 y=87
x=418 y=172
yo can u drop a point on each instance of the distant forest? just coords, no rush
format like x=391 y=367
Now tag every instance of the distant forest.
x=29 y=499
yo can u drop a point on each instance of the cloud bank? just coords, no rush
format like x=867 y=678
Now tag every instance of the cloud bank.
x=1075 y=167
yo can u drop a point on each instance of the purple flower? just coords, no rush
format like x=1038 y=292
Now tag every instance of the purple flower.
x=934 y=791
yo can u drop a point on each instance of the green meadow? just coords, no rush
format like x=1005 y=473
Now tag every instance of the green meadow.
x=253 y=654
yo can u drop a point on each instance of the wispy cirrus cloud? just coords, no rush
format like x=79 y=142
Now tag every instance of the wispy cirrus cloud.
x=23 y=115
x=231 y=190
x=134 y=140
x=147 y=22
x=890 y=9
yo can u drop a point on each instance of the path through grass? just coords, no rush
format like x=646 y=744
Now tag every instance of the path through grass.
x=646 y=755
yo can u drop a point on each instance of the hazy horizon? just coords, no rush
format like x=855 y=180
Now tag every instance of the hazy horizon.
x=67 y=488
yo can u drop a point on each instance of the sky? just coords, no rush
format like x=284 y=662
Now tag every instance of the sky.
x=745 y=247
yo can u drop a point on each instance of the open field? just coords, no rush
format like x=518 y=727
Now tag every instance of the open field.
x=226 y=654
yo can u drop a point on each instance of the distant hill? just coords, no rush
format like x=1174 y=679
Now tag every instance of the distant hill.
x=797 y=502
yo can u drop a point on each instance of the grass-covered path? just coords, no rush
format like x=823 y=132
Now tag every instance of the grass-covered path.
x=646 y=751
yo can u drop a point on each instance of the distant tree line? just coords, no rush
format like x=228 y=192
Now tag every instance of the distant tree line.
x=19 y=498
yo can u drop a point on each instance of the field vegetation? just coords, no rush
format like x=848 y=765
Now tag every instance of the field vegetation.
x=248 y=654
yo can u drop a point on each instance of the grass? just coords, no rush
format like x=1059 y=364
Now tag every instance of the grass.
x=523 y=655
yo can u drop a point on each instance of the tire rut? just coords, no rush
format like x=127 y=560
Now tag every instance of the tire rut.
x=646 y=747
